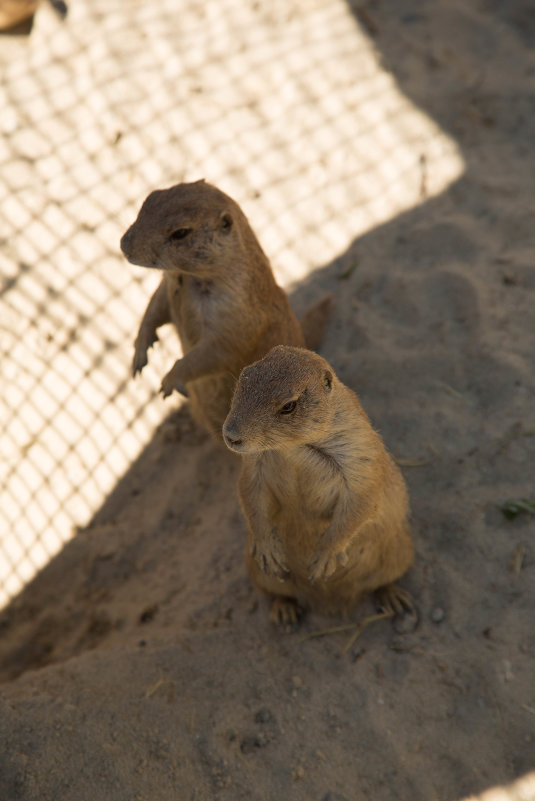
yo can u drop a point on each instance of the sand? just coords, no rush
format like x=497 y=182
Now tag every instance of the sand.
x=139 y=663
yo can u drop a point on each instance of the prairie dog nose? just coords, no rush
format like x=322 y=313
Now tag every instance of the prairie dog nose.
x=231 y=440
x=231 y=436
x=125 y=241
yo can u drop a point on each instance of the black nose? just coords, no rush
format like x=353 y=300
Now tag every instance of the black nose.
x=125 y=241
x=231 y=435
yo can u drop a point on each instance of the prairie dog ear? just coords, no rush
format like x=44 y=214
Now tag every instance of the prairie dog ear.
x=226 y=222
x=328 y=380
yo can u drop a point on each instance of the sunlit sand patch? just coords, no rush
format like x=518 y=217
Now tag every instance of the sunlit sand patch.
x=522 y=789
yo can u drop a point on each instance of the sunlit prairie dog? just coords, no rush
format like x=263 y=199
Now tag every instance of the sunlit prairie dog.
x=14 y=11
x=326 y=505
x=217 y=288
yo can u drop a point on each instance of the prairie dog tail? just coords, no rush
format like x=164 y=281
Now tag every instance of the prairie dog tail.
x=314 y=321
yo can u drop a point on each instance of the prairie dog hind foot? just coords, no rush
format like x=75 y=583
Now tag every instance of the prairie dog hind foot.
x=285 y=611
x=394 y=600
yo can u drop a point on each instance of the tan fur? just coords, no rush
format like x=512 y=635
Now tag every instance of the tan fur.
x=325 y=503
x=217 y=288
x=14 y=11
x=314 y=322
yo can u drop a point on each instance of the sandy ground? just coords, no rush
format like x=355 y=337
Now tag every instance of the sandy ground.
x=140 y=663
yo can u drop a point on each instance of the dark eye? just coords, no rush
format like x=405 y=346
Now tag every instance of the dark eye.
x=226 y=223
x=288 y=408
x=180 y=233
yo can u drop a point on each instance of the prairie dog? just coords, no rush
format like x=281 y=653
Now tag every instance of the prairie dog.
x=217 y=288
x=325 y=504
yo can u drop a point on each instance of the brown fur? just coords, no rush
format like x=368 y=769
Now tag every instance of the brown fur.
x=326 y=505
x=217 y=288
x=12 y=12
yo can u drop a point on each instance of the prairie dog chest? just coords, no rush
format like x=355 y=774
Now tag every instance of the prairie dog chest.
x=306 y=484
x=196 y=305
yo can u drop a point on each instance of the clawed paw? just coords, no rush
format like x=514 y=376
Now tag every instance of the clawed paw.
x=394 y=600
x=139 y=362
x=166 y=387
x=285 y=611
x=323 y=565
x=141 y=349
x=169 y=383
x=270 y=560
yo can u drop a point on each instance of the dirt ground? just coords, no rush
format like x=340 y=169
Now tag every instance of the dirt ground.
x=140 y=664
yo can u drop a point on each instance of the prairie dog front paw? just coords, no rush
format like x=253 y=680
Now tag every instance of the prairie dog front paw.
x=325 y=563
x=270 y=557
x=140 y=358
x=173 y=381
x=144 y=341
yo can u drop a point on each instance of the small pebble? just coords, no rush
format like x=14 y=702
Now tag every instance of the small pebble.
x=437 y=614
x=405 y=623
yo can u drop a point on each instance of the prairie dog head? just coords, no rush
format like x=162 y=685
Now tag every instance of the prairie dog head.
x=283 y=400
x=185 y=227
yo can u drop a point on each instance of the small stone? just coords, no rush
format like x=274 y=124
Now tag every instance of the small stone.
x=405 y=623
x=437 y=614
x=297 y=682
x=299 y=773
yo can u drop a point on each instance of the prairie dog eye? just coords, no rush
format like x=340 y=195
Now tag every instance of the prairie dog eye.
x=180 y=233
x=288 y=408
x=226 y=223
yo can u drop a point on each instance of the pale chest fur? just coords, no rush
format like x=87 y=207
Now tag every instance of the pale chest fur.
x=198 y=306
x=303 y=488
